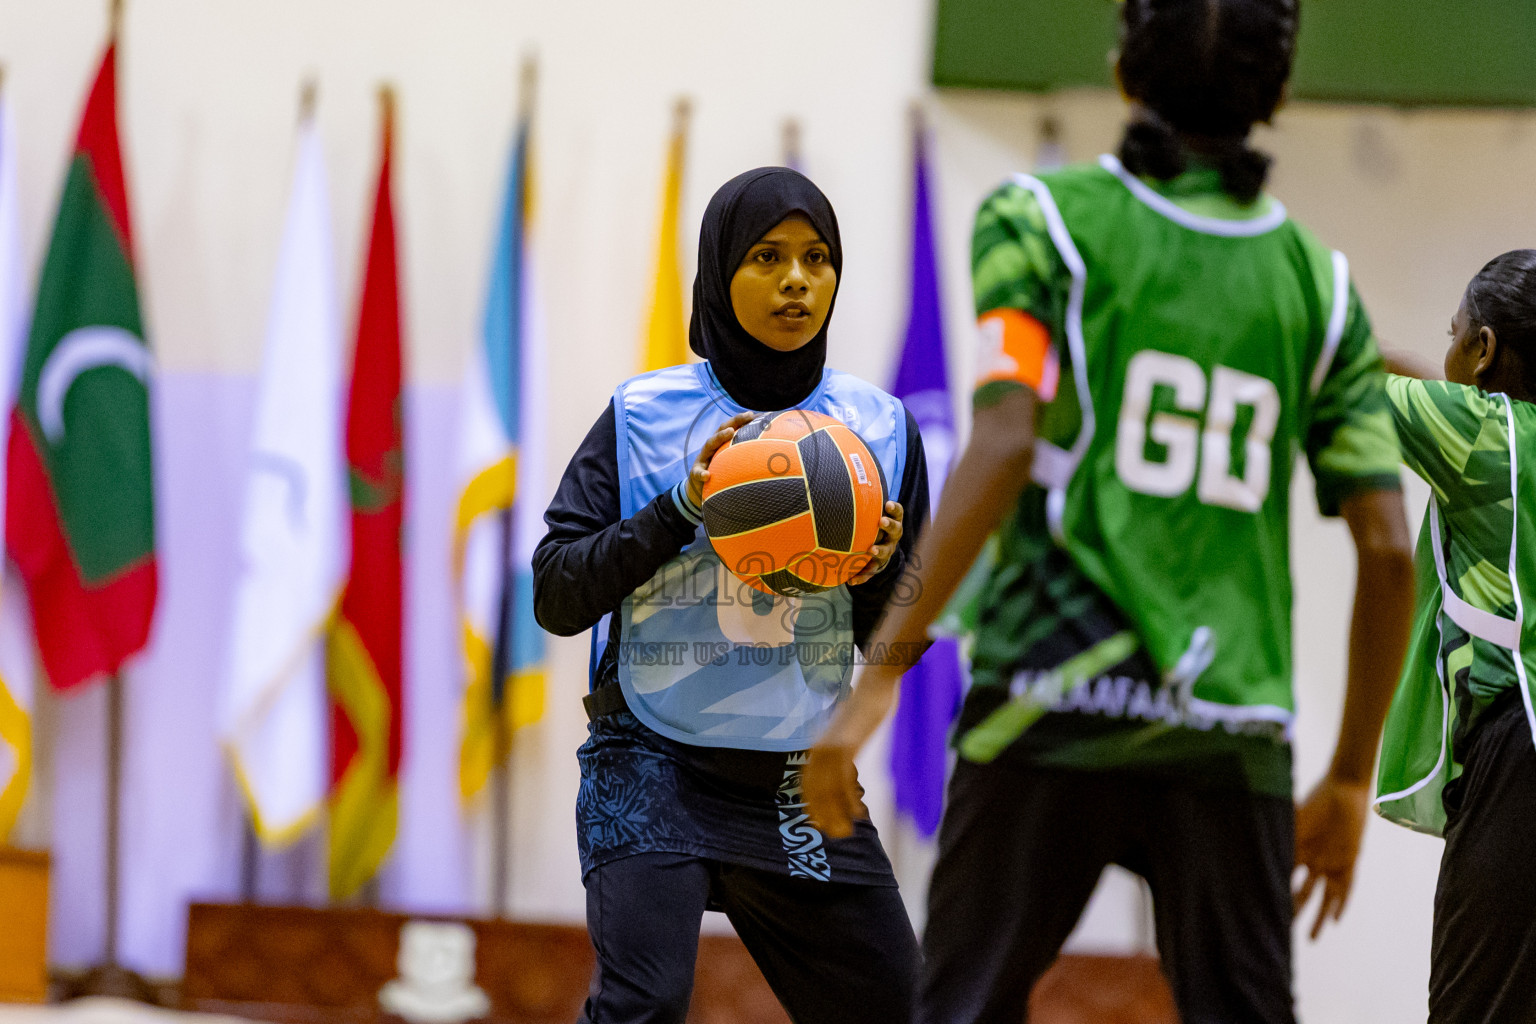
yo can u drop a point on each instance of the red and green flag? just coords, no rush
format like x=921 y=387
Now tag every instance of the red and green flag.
x=364 y=670
x=79 y=509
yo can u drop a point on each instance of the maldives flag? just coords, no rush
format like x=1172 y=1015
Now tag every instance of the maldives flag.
x=79 y=510
x=363 y=671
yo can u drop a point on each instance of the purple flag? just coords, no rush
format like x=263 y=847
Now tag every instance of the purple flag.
x=931 y=691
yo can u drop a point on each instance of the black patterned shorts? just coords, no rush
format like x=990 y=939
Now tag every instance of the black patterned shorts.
x=643 y=793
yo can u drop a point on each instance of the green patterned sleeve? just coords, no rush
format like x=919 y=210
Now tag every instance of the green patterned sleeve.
x=1447 y=433
x=1014 y=264
x=1350 y=442
x=1015 y=269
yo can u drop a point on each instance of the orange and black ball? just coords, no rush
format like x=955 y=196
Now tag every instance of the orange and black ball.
x=793 y=503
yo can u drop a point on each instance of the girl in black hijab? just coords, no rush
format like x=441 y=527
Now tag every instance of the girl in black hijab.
x=689 y=797
x=742 y=212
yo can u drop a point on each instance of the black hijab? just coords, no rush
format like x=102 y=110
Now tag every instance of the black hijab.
x=739 y=214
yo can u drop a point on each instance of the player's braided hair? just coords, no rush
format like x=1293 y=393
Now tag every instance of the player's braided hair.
x=1204 y=72
x=1503 y=296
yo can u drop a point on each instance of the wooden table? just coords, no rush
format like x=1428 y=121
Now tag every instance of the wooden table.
x=23 y=925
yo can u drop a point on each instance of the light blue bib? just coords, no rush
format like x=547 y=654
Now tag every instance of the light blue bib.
x=703 y=658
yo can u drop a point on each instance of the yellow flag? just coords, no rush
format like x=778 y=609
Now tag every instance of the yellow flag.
x=666 y=333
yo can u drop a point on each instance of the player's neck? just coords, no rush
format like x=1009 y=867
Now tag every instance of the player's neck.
x=1513 y=384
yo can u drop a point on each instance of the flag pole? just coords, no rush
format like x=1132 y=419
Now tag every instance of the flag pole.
x=502 y=655
x=250 y=854
x=387 y=113
x=368 y=895
x=114 y=706
x=114 y=805
x=528 y=83
x=109 y=978
x=501 y=742
x=682 y=113
x=790 y=135
x=308 y=96
x=682 y=117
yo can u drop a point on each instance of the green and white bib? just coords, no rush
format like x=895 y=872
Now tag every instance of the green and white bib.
x=1471 y=641
x=1201 y=346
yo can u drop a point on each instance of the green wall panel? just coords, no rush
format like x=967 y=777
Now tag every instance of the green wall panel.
x=1410 y=52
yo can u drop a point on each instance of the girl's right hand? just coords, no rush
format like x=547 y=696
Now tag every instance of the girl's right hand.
x=698 y=476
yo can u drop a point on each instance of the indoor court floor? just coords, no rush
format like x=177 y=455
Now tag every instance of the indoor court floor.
x=103 y=1011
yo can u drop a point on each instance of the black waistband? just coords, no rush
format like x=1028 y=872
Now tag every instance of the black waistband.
x=606 y=700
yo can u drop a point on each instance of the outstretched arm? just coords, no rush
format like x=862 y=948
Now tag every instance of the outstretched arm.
x=983 y=488
x=1331 y=821
x=1411 y=364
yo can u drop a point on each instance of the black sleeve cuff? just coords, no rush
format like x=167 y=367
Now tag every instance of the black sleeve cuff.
x=668 y=509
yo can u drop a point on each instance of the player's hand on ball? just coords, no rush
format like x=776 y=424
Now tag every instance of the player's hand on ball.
x=698 y=476
x=1329 y=826
x=884 y=549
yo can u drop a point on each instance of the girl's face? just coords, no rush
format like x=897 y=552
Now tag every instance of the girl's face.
x=1471 y=354
x=782 y=292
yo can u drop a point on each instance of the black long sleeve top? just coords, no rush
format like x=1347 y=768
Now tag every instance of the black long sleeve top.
x=592 y=558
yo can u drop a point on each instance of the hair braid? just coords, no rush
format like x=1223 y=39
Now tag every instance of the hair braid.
x=1204 y=71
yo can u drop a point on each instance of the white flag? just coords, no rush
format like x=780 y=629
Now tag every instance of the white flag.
x=16 y=658
x=294 y=538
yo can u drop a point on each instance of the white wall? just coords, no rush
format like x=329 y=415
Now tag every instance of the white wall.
x=209 y=92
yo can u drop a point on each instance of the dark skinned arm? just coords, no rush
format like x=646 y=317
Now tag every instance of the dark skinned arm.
x=982 y=490
x=1411 y=364
x=1331 y=821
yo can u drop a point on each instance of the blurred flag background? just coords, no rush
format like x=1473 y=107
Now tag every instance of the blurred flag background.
x=503 y=408
x=15 y=643
x=931 y=690
x=80 y=430
x=293 y=539
x=365 y=649
x=666 y=330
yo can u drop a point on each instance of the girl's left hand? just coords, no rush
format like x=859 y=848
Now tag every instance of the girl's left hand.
x=885 y=544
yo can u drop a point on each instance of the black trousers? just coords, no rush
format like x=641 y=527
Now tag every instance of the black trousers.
x=832 y=952
x=1482 y=964
x=1020 y=852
